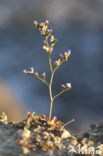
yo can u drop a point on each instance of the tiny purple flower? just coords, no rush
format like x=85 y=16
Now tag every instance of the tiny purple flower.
x=59 y=61
x=65 y=53
x=44 y=47
x=47 y=22
x=41 y=32
x=41 y=24
x=44 y=41
x=24 y=71
x=69 y=52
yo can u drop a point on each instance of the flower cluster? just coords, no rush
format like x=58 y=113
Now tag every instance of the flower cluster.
x=46 y=33
x=67 y=86
x=31 y=72
x=48 y=45
x=63 y=58
x=42 y=26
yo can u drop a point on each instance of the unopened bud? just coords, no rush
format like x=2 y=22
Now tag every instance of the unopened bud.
x=65 y=56
x=41 y=24
x=44 y=28
x=52 y=38
x=53 y=42
x=61 y=57
x=36 y=75
x=46 y=22
x=36 y=24
x=57 y=62
x=68 y=85
x=43 y=75
x=45 y=42
x=46 y=48
x=48 y=33
x=63 y=86
x=69 y=52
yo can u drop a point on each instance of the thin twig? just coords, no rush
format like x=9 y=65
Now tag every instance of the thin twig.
x=60 y=93
x=69 y=122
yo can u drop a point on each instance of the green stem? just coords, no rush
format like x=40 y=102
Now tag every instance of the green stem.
x=51 y=104
x=50 y=85
x=58 y=66
x=50 y=64
x=50 y=91
x=59 y=93
x=51 y=80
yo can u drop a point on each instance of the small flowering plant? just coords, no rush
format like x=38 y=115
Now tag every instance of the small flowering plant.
x=49 y=42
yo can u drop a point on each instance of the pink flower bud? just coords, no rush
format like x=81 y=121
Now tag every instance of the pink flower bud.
x=53 y=42
x=46 y=22
x=44 y=42
x=36 y=75
x=49 y=31
x=65 y=56
x=44 y=47
x=36 y=24
x=69 y=52
x=52 y=38
x=68 y=85
x=57 y=62
x=63 y=86
x=61 y=57
x=41 y=24
x=43 y=75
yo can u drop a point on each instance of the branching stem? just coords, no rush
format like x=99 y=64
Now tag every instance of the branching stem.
x=48 y=47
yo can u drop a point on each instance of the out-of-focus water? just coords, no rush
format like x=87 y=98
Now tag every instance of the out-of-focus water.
x=21 y=48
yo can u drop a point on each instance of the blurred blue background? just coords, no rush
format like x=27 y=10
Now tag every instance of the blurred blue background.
x=78 y=25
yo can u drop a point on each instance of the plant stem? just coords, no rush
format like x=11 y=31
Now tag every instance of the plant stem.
x=51 y=80
x=69 y=122
x=50 y=64
x=59 y=93
x=50 y=86
x=50 y=113
x=50 y=91
x=58 y=66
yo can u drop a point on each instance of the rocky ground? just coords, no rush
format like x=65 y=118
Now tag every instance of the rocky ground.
x=39 y=136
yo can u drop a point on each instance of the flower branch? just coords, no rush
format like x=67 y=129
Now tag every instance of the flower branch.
x=48 y=46
x=64 y=89
x=32 y=73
